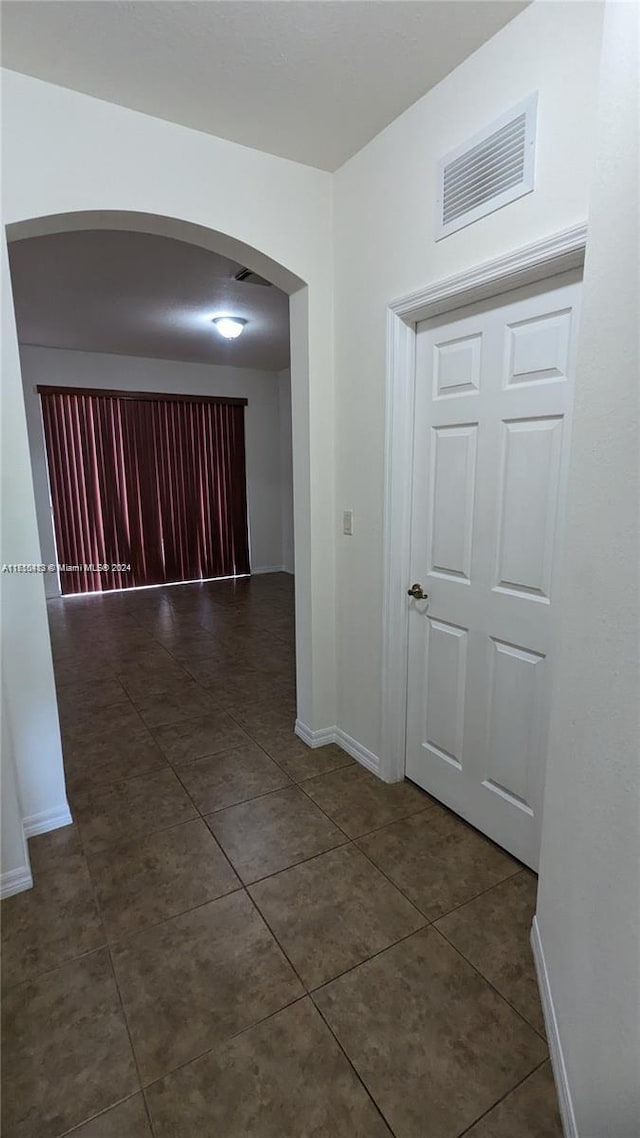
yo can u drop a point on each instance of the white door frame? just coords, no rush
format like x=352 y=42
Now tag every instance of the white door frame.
x=545 y=258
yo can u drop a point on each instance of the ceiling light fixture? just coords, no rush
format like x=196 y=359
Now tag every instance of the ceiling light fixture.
x=230 y=326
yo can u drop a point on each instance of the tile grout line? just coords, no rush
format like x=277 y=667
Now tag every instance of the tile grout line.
x=476 y=896
x=113 y=970
x=367 y=959
x=350 y=841
x=220 y=1043
x=108 y=944
x=430 y=920
x=308 y=993
x=37 y=976
x=354 y=1069
x=492 y=986
x=502 y=1098
x=76 y=1127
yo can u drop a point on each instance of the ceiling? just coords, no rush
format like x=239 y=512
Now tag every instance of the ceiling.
x=142 y=295
x=311 y=80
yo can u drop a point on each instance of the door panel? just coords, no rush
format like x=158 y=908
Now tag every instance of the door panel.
x=492 y=429
x=450 y=515
x=538 y=349
x=445 y=668
x=514 y=712
x=456 y=366
x=531 y=450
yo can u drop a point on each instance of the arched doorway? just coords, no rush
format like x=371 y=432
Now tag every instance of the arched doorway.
x=30 y=702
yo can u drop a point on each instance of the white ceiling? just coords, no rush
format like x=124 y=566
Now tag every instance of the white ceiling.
x=143 y=295
x=311 y=80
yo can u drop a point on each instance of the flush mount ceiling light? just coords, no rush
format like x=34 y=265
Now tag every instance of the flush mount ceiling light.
x=230 y=326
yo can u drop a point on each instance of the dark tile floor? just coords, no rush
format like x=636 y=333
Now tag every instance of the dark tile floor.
x=239 y=936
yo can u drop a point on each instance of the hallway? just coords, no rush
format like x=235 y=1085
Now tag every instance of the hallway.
x=241 y=936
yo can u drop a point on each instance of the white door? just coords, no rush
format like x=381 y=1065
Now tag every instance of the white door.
x=491 y=445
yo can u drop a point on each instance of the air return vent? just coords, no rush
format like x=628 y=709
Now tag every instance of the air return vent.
x=247 y=276
x=489 y=171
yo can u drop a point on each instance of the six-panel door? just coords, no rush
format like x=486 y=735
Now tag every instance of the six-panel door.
x=492 y=422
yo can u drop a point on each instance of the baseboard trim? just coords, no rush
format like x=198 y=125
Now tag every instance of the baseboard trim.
x=315 y=738
x=336 y=735
x=47 y=820
x=15 y=881
x=565 y=1103
x=268 y=569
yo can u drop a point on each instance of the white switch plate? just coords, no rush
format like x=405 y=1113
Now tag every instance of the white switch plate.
x=347 y=523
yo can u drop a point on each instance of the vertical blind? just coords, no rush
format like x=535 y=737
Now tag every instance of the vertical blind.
x=145 y=490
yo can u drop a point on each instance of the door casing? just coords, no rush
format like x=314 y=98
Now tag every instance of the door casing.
x=537 y=262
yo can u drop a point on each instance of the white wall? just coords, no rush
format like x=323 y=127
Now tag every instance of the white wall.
x=29 y=709
x=66 y=153
x=15 y=875
x=268 y=478
x=384 y=208
x=589 y=894
x=286 y=470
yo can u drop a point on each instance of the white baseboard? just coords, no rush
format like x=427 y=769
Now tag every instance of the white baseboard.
x=357 y=751
x=15 y=881
x=47 y=820
x=337 y=735
x=565 y=1102
x=268 y=569
x=314 y=738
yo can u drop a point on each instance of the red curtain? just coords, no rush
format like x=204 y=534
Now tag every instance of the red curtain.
x=151 y=489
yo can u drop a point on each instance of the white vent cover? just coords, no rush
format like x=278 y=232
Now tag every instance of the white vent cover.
x=493 y=168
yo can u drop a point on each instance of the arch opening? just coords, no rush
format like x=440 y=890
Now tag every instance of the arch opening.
x=290 y=283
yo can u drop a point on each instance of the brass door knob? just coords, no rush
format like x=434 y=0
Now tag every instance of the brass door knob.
x=416 y=592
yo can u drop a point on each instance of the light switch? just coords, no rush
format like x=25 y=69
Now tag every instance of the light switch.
x=347 y=523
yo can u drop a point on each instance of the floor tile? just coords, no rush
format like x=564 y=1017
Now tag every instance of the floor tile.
x=302 y=762
x=493 y=933
x=233 y=776
x=110 y=814
x=195 y=645
x=261 y=689
x=198 y=979
x=66 y=1053
x=112 y=757
x=531 y=1111
x=437 y=860
x=150 y=879
x=359 y=802
x=265 y=723
x=51 y=923
x=106 y=723
x=127 y=1120
x=81 y=671
x=210 y=671
x=194 y=738
x=180 y=702
x=218 y=1013
x=55 y=849
x=272 y=833
x=85 y=698
x=285 y=1077
x=152 y=676
x=132 y=657
x=333 y=912
x=432 y=1041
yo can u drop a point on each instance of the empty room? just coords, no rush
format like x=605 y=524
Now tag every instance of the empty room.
x=320 y=567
